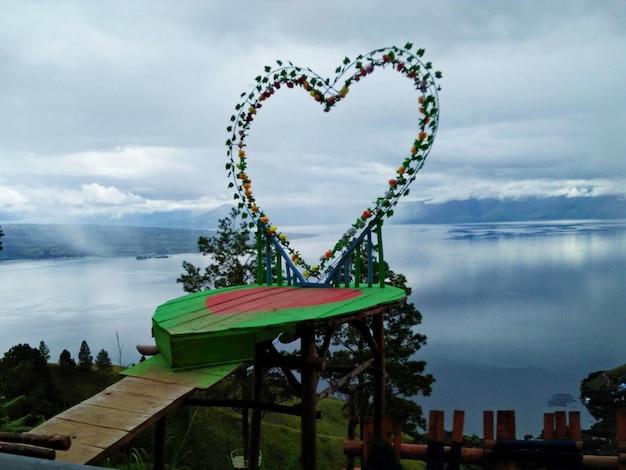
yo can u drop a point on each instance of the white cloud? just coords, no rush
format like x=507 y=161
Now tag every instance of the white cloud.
x=118 y=107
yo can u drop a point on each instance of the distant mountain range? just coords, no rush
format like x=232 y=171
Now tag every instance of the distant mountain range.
x=465 y=211
x=158 y=234
x=512 y=210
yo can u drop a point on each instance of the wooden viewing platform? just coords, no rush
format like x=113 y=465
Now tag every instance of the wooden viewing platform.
x=204 y=337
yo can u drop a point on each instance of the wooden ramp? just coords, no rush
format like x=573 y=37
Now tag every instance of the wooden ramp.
x=102 y=424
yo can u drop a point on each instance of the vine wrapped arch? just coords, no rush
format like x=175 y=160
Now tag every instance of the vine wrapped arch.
x=329 y=92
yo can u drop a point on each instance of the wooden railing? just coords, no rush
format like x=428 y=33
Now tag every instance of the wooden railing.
x=275 y=266
x=561 y=444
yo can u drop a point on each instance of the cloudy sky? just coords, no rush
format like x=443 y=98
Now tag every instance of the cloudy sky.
x=118 y=107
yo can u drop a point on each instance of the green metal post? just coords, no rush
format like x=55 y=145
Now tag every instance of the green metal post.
x=381 y=258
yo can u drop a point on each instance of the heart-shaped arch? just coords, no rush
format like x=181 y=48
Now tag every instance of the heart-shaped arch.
x=329 y=93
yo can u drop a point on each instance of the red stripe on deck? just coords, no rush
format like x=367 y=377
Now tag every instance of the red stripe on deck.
x=258 y=299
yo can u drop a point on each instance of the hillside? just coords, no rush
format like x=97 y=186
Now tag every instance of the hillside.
x=178 y=232
x=34 y=241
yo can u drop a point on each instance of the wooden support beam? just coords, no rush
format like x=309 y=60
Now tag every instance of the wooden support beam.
x=323 y=351
x=308 y=425
x=621 y=439
x=378 y=330
x=255 y=423
x=367 y=335
x=159 y=445
x=294 y=410
x=270 y=359
x=294 y=383
x=343 y=380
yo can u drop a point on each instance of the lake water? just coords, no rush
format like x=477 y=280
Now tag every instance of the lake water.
x=514 y=312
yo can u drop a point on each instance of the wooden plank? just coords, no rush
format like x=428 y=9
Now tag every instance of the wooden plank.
x=156 y=369
x=102 y=424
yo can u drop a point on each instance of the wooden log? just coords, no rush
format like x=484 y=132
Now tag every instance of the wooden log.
x=27 y=450
x=418 y=451
x=343 y=380
x=51 y=442
x=604 y=462
x=147 y=349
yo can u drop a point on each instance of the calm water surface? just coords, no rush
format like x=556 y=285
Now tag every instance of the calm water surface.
x=513 y=312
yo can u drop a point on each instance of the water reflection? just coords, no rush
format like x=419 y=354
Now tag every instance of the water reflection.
x=513 y=312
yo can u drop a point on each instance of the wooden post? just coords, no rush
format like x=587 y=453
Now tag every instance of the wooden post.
x=259 y=254
x=257 y=414
x=378 y=330
x=548 y=426
x=308 y=425
x=435 y=448
x=488 y=428
x=621 y=439
x=560 y=421
x=159 y=445
x=505 y=428
x=358 y=265
x=381 y=258
x=279 y=269
x=353 y=420
x=457 y=440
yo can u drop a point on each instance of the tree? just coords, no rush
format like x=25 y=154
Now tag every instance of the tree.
x=602 y=394
x=44 y=350
x=24 y=372
x=1 y=235
x=103 y=362
x=66 y=362
x=233 y=256
x=405 y=377
x=85 y=359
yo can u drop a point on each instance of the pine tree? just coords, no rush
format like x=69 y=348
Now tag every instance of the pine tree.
x=44 y=350
x=85 y=359
x=66 y=362
x=25 y=372
x=405 y=376
x=103 y=362
x=233 y=257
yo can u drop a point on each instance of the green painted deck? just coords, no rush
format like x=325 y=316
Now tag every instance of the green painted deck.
x=202 y=338
x=224 y=325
